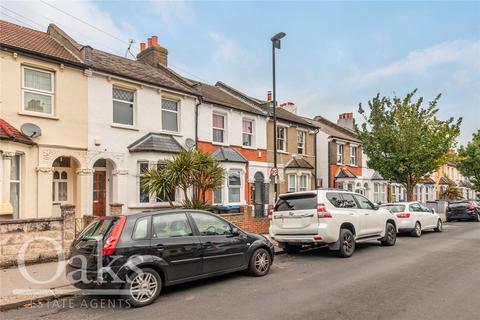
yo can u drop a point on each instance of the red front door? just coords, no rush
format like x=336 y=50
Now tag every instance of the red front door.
x=99 y=193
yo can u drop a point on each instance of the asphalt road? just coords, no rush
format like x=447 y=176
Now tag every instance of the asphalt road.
x=434 y=277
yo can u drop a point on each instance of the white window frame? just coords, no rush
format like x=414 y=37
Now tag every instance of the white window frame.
x=176 y=112
x=224 y=129
x=152 y=198
x=57 y=182
x=19 y=182
x=353 y=155
x=134 y=103
x=307 y=187
x=302 y=133
x=290 y=187
x=240 y=187
x=340 y=152
x=252 y=135
x=38 y=91
x=284 y=140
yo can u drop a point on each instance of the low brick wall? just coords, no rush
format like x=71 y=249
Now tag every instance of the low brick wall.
x=245 y=220
x=39 y=239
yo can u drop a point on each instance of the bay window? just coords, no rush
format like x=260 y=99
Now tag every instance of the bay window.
x=123 y=104
x=218 y=125
x=15 y=185
x=144 y=196
x=234 y=185
x=303 y=183
x=38 y=90
x=292 y=183
x=169 y=115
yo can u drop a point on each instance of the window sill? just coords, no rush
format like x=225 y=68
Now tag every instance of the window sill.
x=281 y=151
x=220 y=144
x=122 y=126
x=249 y=147
x=172 y=133
x=38 y=115
x=152 y=205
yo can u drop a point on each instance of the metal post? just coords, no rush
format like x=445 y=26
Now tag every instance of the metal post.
x=274 y=122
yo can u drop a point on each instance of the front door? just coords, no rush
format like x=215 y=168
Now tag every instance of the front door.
x=99 y=193
x=259 y=195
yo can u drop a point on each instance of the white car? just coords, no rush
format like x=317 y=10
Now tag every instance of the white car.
x=336 y=218
x=415 y=217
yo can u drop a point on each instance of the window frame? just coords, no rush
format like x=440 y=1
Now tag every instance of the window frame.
x=149 y=228
x=353 y=155
x=18 y=182
x=239 y=187
x=178 y=102
x=289 y=186
x=301 y=133
x=193 y=229
x=51 y=93
x=307 y=187
x=340 y=153
x=134 y=106
x=224 y=129
x=197 y=229
x=252 y=135
x=284 y=139
x=152 y=198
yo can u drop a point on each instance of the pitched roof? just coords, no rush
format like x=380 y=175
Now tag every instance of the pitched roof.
x=9 y=132
x=226 y=154
x=298 y=163
x=345 y=173
x=218 y=96
x=156 y=142
x=34 y=41
x=334 y=130
x=136 y=70
x=443 y=180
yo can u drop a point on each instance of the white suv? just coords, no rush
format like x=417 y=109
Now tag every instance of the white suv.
x=336 y=218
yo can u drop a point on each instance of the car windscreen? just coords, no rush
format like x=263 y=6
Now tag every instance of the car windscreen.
x=296 y=202
x=394 y=208
x=96 y=230
x=462 y=204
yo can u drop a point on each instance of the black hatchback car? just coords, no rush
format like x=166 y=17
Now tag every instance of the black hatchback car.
x=137 y=255
x=463 y=210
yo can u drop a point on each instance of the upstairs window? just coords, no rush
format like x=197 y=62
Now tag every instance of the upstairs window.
x=169 y=115
x=247 y=132
x=123 y=104
x=301 y=138
x=38 y=91
x=282 y=138
x=353 y=155
x=218 y=128
x=339 y=153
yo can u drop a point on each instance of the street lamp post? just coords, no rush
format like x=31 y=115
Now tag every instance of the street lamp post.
x=275 y=45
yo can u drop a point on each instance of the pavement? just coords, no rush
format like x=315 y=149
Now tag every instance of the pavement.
x=436 y=277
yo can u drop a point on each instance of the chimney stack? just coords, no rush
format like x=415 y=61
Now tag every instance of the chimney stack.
x=269 y=96
x=289 y=106
x=154 y=55
x=346 y=120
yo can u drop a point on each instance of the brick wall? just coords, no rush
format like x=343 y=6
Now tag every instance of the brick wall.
x=45 y=237
x=245 y=221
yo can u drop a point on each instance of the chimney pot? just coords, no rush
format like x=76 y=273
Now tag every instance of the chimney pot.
x=142 y=46
x=154 y=40
x=269 y=96
x=149 y=42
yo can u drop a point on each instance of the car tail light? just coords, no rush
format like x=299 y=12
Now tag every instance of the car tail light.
x=270 y=214
x=322 y=211
x=317 y=238
x=403 y=215
x=111 y=241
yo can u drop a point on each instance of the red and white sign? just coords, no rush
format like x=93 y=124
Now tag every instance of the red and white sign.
x=274 y=172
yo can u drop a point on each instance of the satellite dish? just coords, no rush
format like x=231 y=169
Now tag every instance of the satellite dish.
x=31 y=130
x=190 y=143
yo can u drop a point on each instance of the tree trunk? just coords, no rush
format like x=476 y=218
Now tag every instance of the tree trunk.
x=410 y=187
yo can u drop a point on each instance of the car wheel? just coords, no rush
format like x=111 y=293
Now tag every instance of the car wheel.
x=439 y=227
x=478 y=218
x=390 y=235
x=347 y=243
x=417 y=231
x=260 y=263
x=143 y=287
x=292 y=248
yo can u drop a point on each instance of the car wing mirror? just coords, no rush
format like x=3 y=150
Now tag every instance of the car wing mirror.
x=235 y=231
x=376 y=207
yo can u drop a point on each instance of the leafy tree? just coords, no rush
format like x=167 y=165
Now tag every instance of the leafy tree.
x=469 y=161
x=405 y=141
x=193 y=172
x=452 y=192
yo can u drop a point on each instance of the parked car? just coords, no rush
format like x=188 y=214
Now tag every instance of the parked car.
x=142 y=253
x=414 y=217
x=463 y=210
x=330 y=217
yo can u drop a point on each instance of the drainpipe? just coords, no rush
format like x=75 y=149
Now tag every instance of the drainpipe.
x=328 y=164
x=315 y=155
x=200 y=101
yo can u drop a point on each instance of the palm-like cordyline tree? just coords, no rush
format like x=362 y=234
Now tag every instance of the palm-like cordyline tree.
x=452 y=192
x=190 y=170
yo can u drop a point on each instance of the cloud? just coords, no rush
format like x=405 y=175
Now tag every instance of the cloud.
x=38 y=15
x=173 y=12
x=226 y=50
x=418 y=62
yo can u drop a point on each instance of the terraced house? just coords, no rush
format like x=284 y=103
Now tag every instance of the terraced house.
x=43 y=93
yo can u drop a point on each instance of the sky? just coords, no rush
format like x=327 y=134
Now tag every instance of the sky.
x=335 y=55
